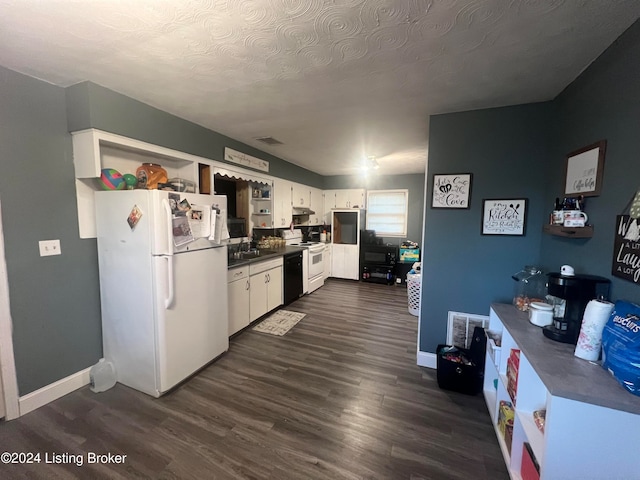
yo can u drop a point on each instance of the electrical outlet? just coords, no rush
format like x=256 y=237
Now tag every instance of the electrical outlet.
x=49 y=247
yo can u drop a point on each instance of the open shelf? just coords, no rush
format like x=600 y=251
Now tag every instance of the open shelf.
x=569 y=232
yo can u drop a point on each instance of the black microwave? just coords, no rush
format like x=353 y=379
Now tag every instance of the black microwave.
x=379 y=254
x=237 y=227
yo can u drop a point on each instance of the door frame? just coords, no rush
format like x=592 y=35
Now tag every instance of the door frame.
x=8 y=375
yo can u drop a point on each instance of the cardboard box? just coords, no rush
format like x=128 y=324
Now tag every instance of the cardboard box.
x=529 y=469
x=505 y=418
x=513 y=364
x=409 y=255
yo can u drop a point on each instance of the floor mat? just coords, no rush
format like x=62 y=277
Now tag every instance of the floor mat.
x=279 y=323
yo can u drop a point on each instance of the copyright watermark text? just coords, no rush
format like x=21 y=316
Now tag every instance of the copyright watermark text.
x=79 y=459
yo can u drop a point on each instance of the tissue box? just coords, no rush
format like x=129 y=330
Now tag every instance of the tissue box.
x=409 y=255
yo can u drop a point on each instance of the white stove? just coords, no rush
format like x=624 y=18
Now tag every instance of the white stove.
x=312 y=259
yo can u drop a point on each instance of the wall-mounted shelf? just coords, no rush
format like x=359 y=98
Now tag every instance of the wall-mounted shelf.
x=569 y=232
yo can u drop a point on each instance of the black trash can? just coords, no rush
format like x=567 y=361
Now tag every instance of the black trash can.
x=461 y=369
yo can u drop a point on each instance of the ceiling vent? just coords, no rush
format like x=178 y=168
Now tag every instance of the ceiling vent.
x=269 y=140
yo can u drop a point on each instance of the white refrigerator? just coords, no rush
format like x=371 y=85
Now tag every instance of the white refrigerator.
x=163 y=285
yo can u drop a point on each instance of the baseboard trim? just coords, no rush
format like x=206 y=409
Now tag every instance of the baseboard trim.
x=426 y=359
x=49 y=393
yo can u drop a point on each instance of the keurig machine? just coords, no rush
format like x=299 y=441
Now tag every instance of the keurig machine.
x=576 y=291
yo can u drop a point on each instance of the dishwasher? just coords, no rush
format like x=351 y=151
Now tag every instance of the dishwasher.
x=292 y=277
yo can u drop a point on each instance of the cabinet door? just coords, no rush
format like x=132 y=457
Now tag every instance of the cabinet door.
x=329 y=203
x=317 y=205
x=281 y=203
x=274 y=288
x=342 y=199
x=258 y=296
x=356 y=198
x=337 y=261
x=238 y=305
x=345 y=262
x=301 y=195
x=327 y=262
x=352 y=262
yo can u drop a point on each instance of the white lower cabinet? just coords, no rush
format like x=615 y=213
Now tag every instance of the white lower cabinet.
x=266 y=287
x=592 y=423
x=239 y=293
x=345 y=261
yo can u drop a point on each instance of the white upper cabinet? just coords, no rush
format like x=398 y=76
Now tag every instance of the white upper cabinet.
x=301 y=195
x=350 y=198
x=317 y=206
x=344 y=198
x=282 y=211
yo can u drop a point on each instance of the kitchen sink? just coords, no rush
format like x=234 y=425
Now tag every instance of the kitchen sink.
x=256 y=254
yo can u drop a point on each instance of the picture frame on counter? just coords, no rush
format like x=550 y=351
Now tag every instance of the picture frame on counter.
x=506 y=216
x=584 y=170
x=451 y=190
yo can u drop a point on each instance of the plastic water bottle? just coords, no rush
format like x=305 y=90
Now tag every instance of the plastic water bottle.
x=102 y=376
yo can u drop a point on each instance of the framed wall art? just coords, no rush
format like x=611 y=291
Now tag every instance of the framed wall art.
x=451 y=190
x=504 y=216
x=584 y=170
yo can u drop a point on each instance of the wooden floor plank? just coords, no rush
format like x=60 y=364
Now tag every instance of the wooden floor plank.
x=338 y=397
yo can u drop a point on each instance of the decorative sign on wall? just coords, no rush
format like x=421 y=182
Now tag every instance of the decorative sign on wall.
x=626 y=245
x=243 y=159
x=584 y=170
x=504 y=217
x=451 y=191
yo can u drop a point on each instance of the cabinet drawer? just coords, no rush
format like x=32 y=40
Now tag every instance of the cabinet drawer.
x=260 y=267
x=238 y=273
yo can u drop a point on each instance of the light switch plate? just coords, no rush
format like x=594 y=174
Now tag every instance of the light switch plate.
x=49 y=247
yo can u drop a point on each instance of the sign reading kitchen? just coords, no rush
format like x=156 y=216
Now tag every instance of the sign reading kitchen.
x=504 y=216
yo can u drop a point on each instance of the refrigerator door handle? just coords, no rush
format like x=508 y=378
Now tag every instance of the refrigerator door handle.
x=167 y=209
x=170 y=284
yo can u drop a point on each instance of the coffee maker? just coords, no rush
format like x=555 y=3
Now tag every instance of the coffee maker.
x=576 y=291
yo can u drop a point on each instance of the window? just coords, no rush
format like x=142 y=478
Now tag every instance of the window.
x=387 y=212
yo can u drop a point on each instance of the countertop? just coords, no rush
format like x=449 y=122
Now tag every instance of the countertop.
x=563 y=374
x=272 y=253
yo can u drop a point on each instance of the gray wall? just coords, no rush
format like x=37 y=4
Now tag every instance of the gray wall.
x=414 y=183
x=93 y=106
x=522 y=150
x=506 y=150
x=603 y=103
x=55 y=304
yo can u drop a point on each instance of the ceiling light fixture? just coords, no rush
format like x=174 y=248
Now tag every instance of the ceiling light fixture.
x=369 y=163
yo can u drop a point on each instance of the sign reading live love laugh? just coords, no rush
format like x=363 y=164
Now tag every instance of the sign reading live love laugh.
x=626 y=249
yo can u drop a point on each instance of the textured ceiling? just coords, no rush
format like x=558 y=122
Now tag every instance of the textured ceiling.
x=333 y=80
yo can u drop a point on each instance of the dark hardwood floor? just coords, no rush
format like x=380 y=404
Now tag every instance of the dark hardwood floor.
x=338 y=397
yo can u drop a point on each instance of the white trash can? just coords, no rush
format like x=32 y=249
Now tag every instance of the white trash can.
x=413 y=291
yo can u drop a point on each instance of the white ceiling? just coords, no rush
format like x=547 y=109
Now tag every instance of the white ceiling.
x=334 y=80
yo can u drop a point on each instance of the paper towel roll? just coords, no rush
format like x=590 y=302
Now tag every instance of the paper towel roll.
x=590 y=340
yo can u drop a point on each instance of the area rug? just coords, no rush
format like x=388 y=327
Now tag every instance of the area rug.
x=279 y=322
